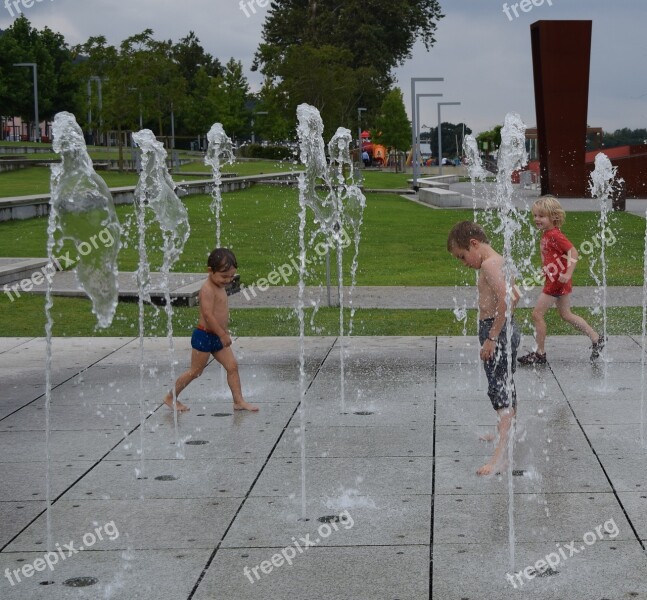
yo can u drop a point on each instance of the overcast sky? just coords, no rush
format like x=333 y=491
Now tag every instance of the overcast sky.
x=483 y=54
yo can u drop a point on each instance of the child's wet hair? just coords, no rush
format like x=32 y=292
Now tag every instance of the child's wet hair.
x=221 y=259
x=549 y=206
x=463 y=232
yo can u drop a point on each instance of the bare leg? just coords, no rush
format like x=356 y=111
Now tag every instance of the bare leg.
x=227 y=359
x=544 y=302
x=198 y=363
x=506 y=415
x=564 y=308
x=487 y=437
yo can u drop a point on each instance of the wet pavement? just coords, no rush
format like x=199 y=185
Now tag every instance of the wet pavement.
x=213 y=508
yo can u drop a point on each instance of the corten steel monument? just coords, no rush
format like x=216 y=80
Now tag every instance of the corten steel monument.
x=561 y=54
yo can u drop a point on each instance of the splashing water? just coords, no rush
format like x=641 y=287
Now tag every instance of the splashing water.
x=474 y=165
x=220 y=149
x=337 y=204
x=602 y=182
x=156 y=190
x=349 y=212
x=82 y=211
x=512 y=156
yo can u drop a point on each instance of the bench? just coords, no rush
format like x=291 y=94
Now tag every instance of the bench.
x=439 y=197
x=426 y=183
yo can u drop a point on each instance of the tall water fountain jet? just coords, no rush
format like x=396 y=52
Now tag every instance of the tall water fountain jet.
x=337 y=203
x=219 y=151
x=349 y=212
x=512 y=157
x=81 y=211
x=476 y=172
x=156 y=190
x=602 y=183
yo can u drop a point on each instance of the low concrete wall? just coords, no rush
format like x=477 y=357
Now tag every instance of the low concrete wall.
x=439 y=197
x=26 y=207
x=25 y=149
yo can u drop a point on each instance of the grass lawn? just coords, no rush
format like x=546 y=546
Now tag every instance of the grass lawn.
x=403 y=243
x=25 y=317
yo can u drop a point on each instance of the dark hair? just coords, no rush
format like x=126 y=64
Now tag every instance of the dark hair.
x=463 y=232
x=221 y=259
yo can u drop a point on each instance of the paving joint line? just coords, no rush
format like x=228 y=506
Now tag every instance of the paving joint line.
x=260 y=472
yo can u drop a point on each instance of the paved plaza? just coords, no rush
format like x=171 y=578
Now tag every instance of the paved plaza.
x=212 y=509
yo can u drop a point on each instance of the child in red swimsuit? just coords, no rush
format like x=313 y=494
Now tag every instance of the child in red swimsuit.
x=558 y=257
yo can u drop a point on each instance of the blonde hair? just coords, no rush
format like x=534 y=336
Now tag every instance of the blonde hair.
x=549 y=206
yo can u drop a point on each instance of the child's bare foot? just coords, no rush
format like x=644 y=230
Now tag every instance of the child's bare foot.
x=490 y=469
x=487 y=437
x=178 y=405
x=242 y=405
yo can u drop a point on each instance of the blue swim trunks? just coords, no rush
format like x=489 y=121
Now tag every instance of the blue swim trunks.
x=205 y=341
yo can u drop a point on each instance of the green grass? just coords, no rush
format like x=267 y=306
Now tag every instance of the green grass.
x=403 y=243
x=25 y=317
x=242 y=168
x=383 y=180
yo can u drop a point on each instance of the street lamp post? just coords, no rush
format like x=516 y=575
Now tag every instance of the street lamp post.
x=440 y=137
x=260 y=112
x=414 y=120
x=416 y=153
x=34 y=66
x=359 y=138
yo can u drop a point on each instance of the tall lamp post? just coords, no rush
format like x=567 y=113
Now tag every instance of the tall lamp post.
x=36 y=119
x=416 y=152
x=414 y=120
x=359 y=141
x=440 y=137
x=260 y=112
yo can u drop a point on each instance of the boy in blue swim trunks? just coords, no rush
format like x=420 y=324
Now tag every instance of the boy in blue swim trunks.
x=210 y=337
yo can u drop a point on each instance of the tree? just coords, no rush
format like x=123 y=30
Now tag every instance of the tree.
x=452 y=138
x=392 y=127
x=57 y=88
x=360 y=40
x=492 y=138
x=230 y=100
x=377 y=34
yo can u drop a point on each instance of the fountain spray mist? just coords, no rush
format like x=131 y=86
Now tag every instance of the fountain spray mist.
x=156 y=190
x=512 y=157
x=219 y=149
x=82 y=211
x=602 y=183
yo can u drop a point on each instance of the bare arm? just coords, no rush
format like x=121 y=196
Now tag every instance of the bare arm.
x=209 y=308
x=495 y=281
x=572 y=262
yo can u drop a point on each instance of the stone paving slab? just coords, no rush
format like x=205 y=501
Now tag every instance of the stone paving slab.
x=383 y=521
x=357 y=441
x=361 y=573
x=405 y=474
x=606 y=570
x=121 y=575
x=150 y=523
